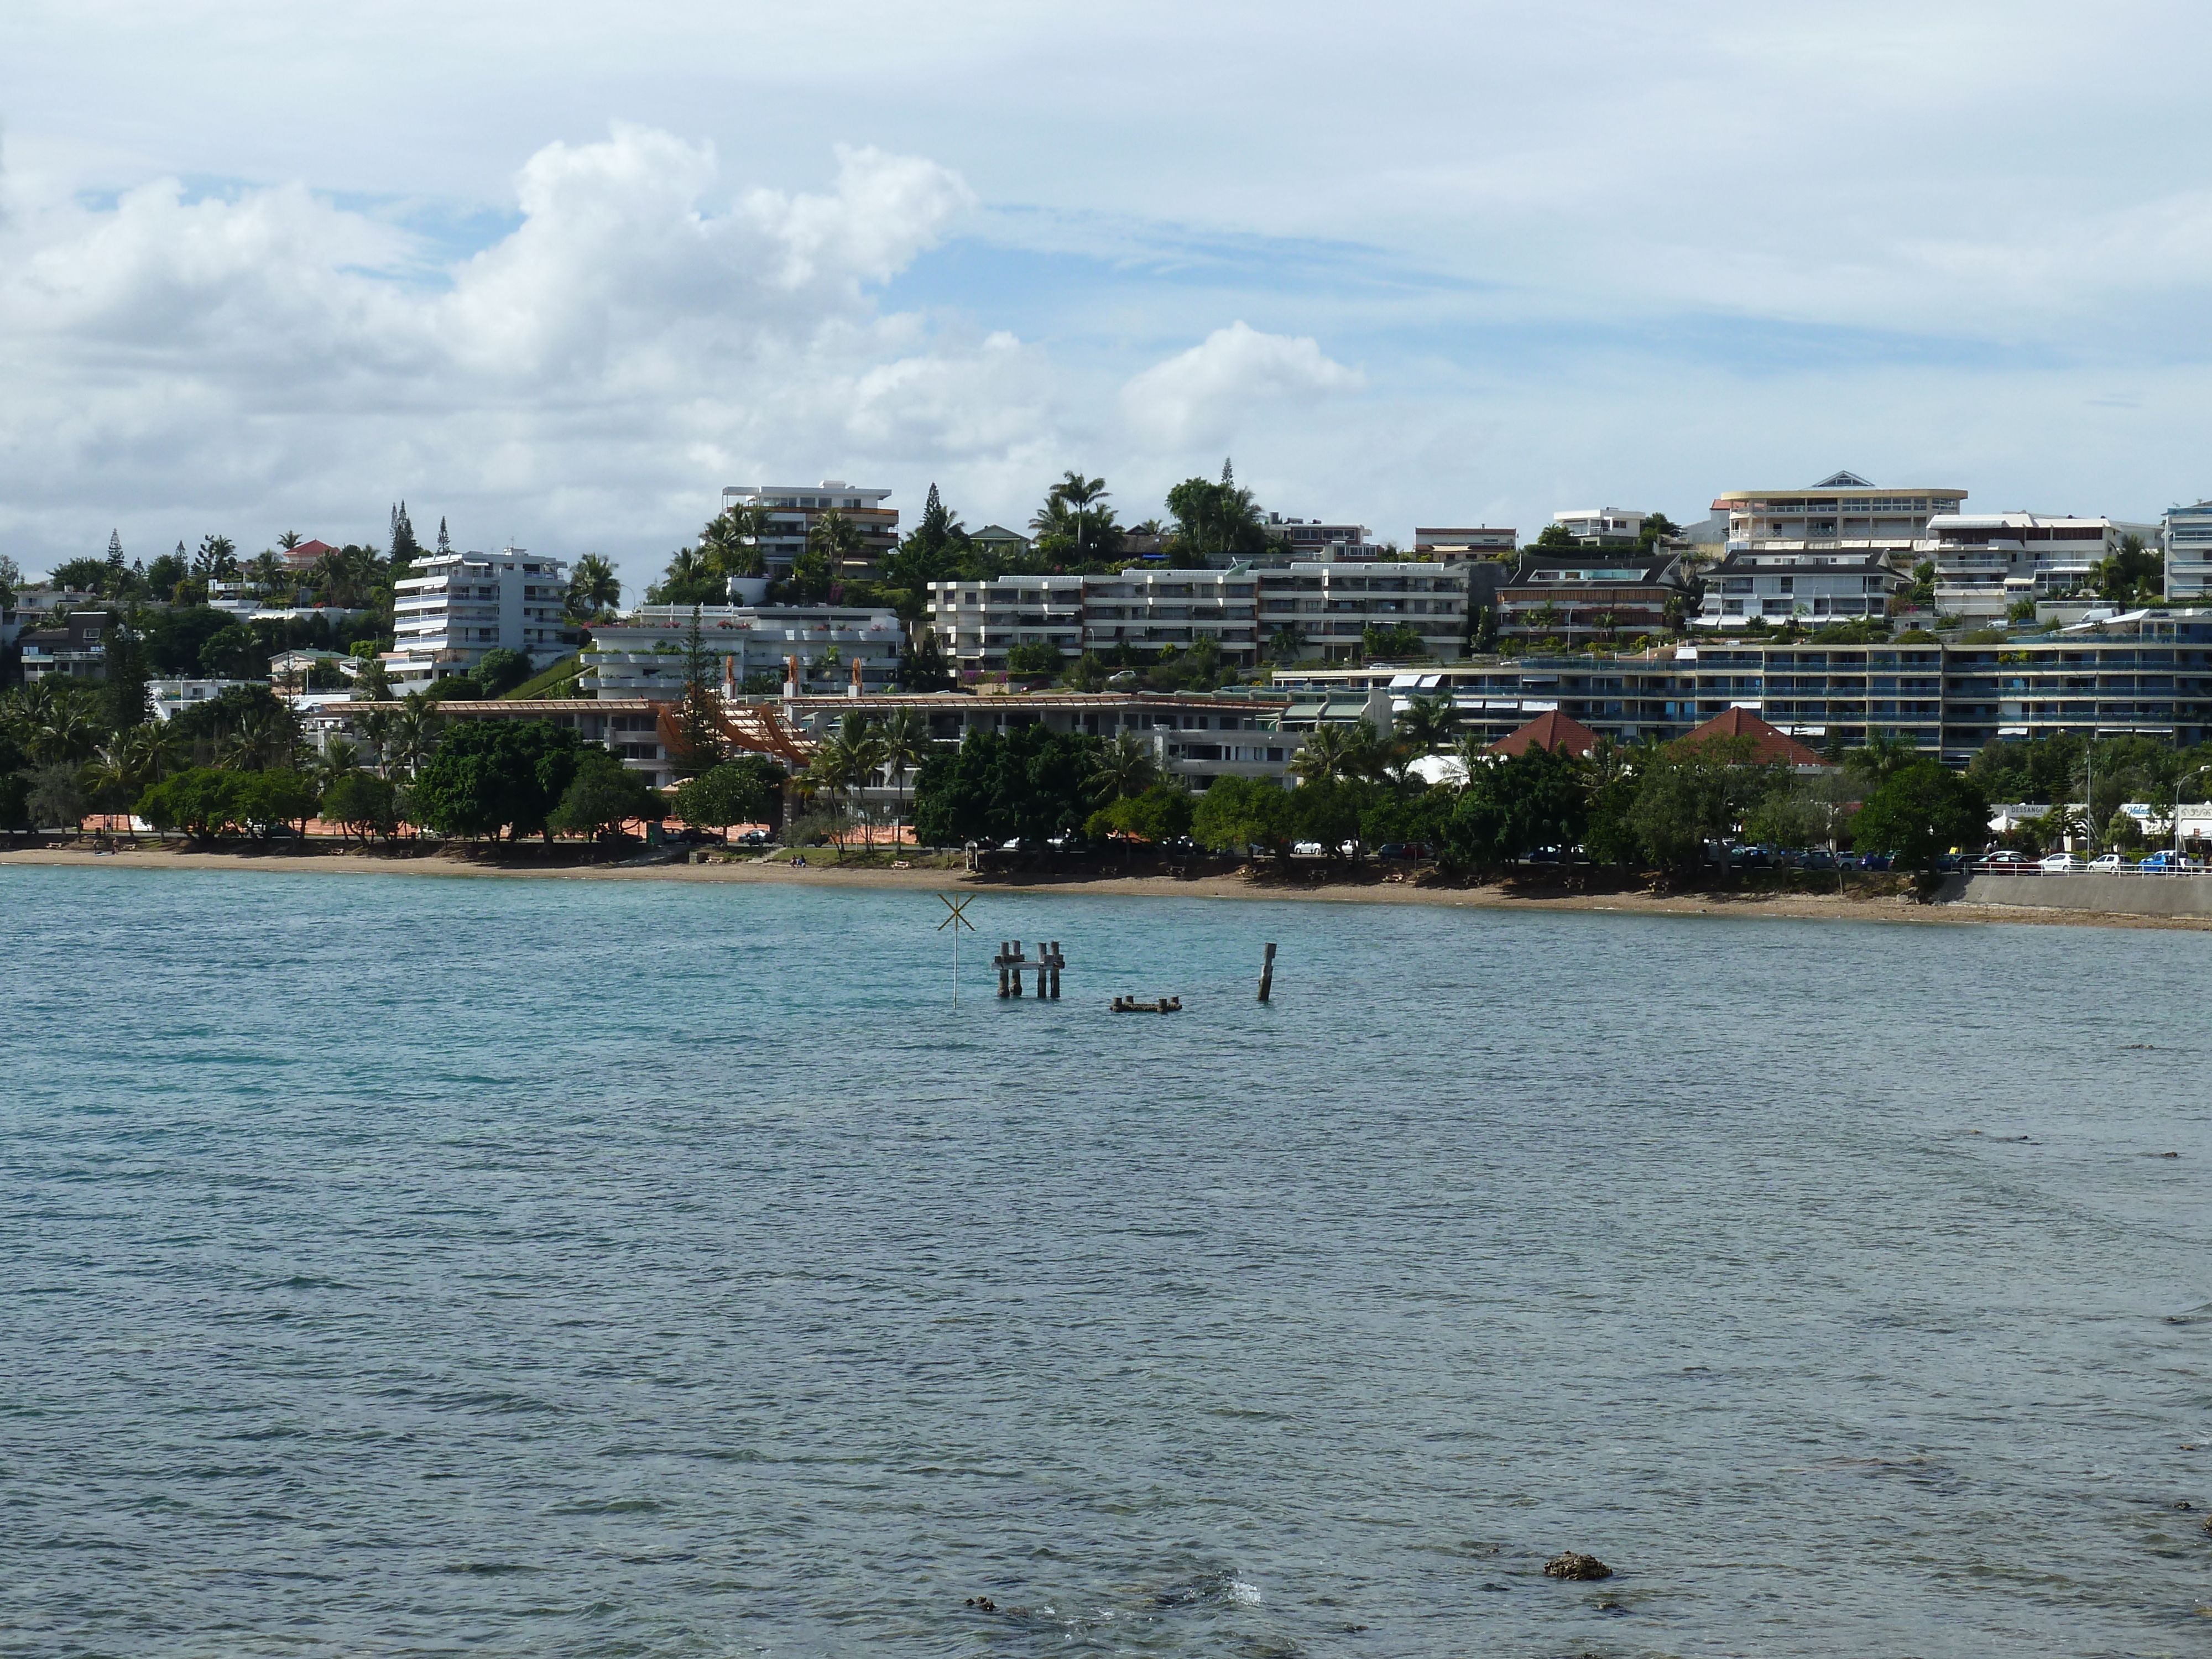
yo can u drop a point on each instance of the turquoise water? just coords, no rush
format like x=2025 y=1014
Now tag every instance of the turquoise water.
x=400 y=1266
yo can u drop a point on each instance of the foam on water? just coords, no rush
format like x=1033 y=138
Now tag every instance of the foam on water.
x=399 y=1265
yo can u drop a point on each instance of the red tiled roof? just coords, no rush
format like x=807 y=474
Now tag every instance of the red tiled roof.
x=307 y=553
x=1770 y=743
x=1549 y=730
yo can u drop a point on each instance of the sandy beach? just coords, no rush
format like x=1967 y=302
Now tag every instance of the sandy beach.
x=1378 y=889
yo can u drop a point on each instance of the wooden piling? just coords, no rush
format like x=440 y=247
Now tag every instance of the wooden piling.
x=1268 y=974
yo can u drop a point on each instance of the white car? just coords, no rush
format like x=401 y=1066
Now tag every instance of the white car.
x=2110 y=863
x=1311 y=849
x=2062 y=864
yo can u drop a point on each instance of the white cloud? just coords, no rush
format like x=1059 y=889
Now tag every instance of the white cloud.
x=631 y=344
x=1202 y=395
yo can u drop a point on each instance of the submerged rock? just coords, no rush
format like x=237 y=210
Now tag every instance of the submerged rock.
x=1570 y=1564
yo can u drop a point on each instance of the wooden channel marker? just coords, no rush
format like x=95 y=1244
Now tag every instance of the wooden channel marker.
x=1268 y=974
x=1011 y=964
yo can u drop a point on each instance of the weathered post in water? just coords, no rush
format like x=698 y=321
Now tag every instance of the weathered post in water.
x=1006 y=951
x=1268 y=974
x=1053 y=963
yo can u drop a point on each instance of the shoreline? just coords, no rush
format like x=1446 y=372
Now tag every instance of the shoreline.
x=1803 y=907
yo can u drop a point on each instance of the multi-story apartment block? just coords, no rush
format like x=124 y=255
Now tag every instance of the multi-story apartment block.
x=2147 y=673
x=1145 y=610
x=1312 y=540
x=1842 y=514
x=1987 y=562
x=1315 y=610
x=1449 y=545
x=636 y=731
x=460 y=605
x=643 y=654
x=1152 y=609
x=1746 y=587
x=2185 y=535
x=1324 y=610
x=1600 y=594
x=1601 y=527
x=70 y=649
x=791 y=512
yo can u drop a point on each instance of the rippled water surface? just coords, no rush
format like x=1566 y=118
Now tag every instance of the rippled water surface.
x=399 y=1265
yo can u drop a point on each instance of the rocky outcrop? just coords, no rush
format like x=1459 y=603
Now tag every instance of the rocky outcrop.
x=1568 y=1564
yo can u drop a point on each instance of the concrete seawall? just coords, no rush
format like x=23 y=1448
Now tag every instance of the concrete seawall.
x=2115 y=896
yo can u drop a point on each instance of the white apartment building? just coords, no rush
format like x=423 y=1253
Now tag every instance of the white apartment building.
x=1987 y=562
x=1327 y=608
x=2185 y=535
x=1601 y=527
x=641 y=656
x=171 y=697
x=460 y=605
x=1802 y=587
x=1313 y=540
x=791 y=511
x=1842 y=514
x=978 y=622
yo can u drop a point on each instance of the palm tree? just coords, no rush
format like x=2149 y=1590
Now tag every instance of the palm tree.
x=592 y=588
x=1124 y=768
x=1471 y=753
x=268 y=572
x=906 y=744
x=67 y=736
x=1326 y=753
x=340 y=757
x=837 y=539
x=414 y=727
x=729 y=545
x=264 y=738
x=1427 y=725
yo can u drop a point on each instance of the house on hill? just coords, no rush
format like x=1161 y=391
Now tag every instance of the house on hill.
x=1770 y=743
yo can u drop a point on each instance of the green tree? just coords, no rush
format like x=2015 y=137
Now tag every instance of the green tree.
x=604 y=795
x=56 y=797
x=593 y=589
x=922 y=667
x=1037 y=657
x=1216 y=522
x=1509 y=807
x=1690 y=793
x=1027 y=784
x=906 y=744
x=202 y=801
x=487 y=776
x=1427 y=725
x=234 y=653
x=501 y=671
x=699 y=717
x=1161 y=813
x=745 y=789
x=272 y=796
x=933 y=551
x=217 y=559
x=1237 y=814
x=1922 y=811
x=364 y=804
x=1123 y=767
x=124 y=700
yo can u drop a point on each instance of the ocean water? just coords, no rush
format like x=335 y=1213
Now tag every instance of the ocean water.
x=397 y=1265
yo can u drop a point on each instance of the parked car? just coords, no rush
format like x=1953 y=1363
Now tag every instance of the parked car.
x=2062 y=864
x=2110 y=863
x=2006 y=864
x=1818 y=858
x=1883 y=861
x=694 y=835
x=1750 y=857
x=2170 y=863
x=753 y=838
x=1308 y=849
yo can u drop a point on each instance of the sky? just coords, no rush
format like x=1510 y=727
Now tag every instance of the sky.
x=557 y=273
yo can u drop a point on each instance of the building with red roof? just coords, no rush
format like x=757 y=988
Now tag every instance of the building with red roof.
x=1549 y=730
x=1770 y=743
x=303 y=556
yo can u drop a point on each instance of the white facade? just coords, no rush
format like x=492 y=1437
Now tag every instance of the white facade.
x=171 y=697
x=2186 y=537
x=460 y=605
x=1842 y=514
x=1329 y=604
x=1601 y=524
x=1312 y=539
x=790 y=512
x=1332 y=605
x=1985 y=563
x=1807 y=587
x=642 y=655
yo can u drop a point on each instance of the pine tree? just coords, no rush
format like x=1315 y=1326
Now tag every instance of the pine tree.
x=699 y=724
x=444 y=541
x=406 y=550
x=115 y=552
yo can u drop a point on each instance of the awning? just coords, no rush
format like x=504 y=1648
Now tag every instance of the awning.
x=1404 y=682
